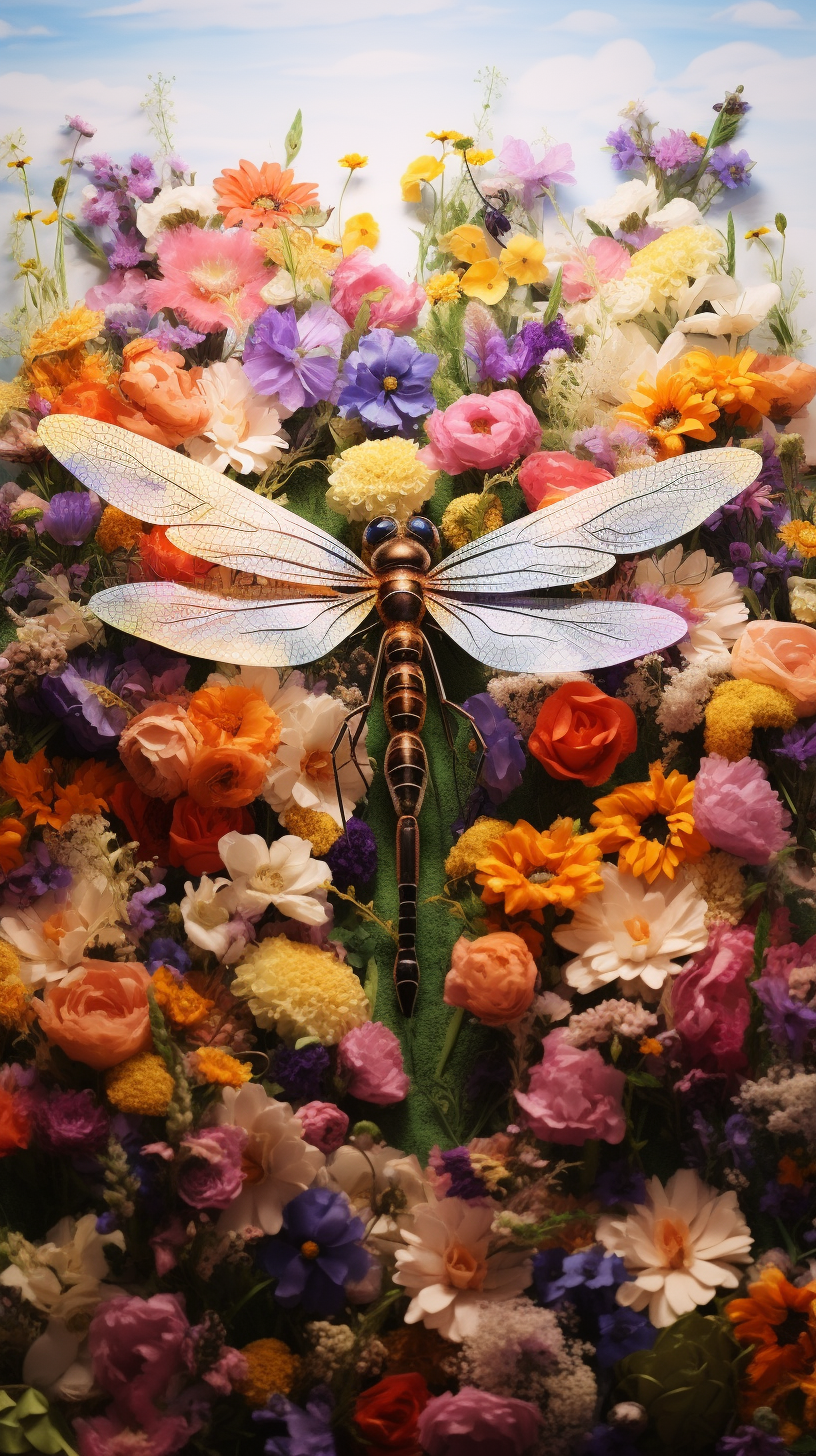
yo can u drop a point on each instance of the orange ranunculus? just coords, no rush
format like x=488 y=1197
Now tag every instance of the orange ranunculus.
x=227 y=777
x=511 y=870
x=793 y=384
x=147 y=820
x=582 y=734
x=98 y=1013
x=663 y=808
x=158 y=747
x=195 y=832
x=164 y=392
x=235 y=714
x=738 y=390
x=162 y=561
x=15 y=1129
x=782 y=655
x=774 y=1305
x=92 y=400
x=493 y=977
x=256 y=195
x=12 y=834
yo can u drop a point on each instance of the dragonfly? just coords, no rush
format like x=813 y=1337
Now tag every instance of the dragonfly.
x=309 y=592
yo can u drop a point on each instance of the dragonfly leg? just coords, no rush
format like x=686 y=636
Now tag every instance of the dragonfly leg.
x=361 y=711
x=446 y=703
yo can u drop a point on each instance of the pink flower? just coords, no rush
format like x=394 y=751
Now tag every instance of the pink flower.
x=166 y=1243
x=581 y=276
x=137 y=1347
x=125 y=286
x=357 y=275
x=711 y=1000
x=108 y=1436
x=212 y=279
x=736 y=809
x=573 y=1095
x=552 y=475
x=369 y=1058
x=211 y=1176
x=485 y=431
x=324 y=1125
x=475 y=1423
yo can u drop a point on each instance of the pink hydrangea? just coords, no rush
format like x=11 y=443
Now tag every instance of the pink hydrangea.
x=581 y=276
x=324 y=1125
x=481 y=431
x=573 y=1095
x=711 y=1000
x=737 y=810
x=138 y=1349
x=358 y=275
x=475 y=1423
x=210 y=1173
x=369 y=1059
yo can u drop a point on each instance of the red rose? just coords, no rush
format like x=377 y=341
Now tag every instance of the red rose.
x=582 y=734
x=388 y=1413
x=147 y=820
x=195 y=832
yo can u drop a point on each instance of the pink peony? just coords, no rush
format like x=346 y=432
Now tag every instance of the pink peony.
x=573 y=1095
x=711 y=1000
x=138 y=1349
x=476 y=1423
x=481 y=431
x=551 y=475
x=210 y=1175
x=212 y=280
x=736 y=809
x=358 y=275
x=324 y=1125
x=369 y=1058
x=108 y=1436
x=581 y=276
x=125 y=286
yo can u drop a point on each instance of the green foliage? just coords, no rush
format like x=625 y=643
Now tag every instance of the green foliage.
x=294 y=138
x=688 y=1383
x=731 y=247
x=554 y=300
x=443 y=335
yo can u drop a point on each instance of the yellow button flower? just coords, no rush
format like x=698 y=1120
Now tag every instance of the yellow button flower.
x=757 y=232
x=485 y=281
x=699 y=141
x=360 y=231
x=523 y=259
x=467 y=243
x=442 y=287
x=353 y=161
x=422 y=169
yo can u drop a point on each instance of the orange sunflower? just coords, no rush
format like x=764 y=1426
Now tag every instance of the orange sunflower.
x=673 y=407
x=253 y=195
x=235 y=715
x=528 y=870
x=779 y=1320
x=736 y=389
x=651 y=824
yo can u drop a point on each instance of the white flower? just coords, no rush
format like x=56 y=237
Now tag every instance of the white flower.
x=75 y=624
x=734 y=311
x=51 y=936
x=631 y=932
x=679 y=1246
x=680 y=212
x=301 y=771
x=280 y=290
x=366 y=1172
x=448 y=1270
x=65 y=1275
x=711 y=593
x=277 y=1163
x=244 y=429
x=625 y=298
x=282 y=874
x=802 y=595
x=631 y=197
x=206 y=912
x=199 y=199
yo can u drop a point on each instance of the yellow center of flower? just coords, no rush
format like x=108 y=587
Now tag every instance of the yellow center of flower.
x=267 y=880
x=317 y=764
x=267 y=204
x=482 y=425
x=390 y=383
x=217 y=279
x=638 y=929
x=671 y=1239
x=310 y=1249
x=53 y=928
x=462 y=1269
x=106 y=697
x=209 y=914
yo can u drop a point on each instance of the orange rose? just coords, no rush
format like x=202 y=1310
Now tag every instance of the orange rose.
x=493 y=977
x=164 y=391
x=781 y=655
x=582 y=734
x=195 y=832
x=15 y=1129
x=146 y=820
x=794 y=383
x=235 y=714
x=227 y=777
x=162 y=561
x=98 y=1013
x=157 y=748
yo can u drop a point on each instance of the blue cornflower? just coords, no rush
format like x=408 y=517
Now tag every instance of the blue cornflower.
x=730 y=168
x=317 y=1252
x=386 y=383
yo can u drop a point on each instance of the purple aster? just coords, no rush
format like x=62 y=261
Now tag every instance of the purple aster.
x=751 y=1441
x=317 y=1252
x=352 y=858
x=386 y=383
x=295 y=359
x=293 y=1431
x=166 y=952
x=455 y=1164
x=70 y=1122
x=126 y=251
x=730 y=168
x=84 y=128
x=504 y=759
x=532 y=177
x=790 y=1022
x=71 y=517
x=35 y=877
x=674 y=152
x=301 y=1072
x=621 y=1333
x=799 y=745
x=619 y=1183
x=534 y=341
x=626 y=154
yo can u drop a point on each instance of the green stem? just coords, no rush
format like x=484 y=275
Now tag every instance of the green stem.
x=454 y=1026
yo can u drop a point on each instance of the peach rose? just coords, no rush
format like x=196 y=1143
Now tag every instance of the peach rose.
x=583 y=734
x=226 y=778
x=782 y=655
x=794 y=383
x=493 y=977
x=98 y=1013
x=157 y=748
x=164 y=391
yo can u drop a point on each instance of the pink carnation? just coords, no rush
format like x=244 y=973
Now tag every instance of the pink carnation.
x=580 y=276
x=481 y=431
x=125 y=286
x=210 y=1173
x=324 y=1125
x=475 y=1423
x=737 y=810
x=573 y=1095
x=213 y=280
x=358 y=275
x=552 y=475
x=780 y=960
x=138 y=1350
x=711 y=1000
x=369 y=1058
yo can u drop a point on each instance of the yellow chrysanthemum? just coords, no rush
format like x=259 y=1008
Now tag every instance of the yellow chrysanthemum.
x=320 y=829
x=737 y=390
x=9 y=960
x=469 y=517
x=141 y=1085
x=528 y=870
x=422 y=169
x=485 y=281
x=523 y=259
x=800 y=536
x=182 y=1004
x=76 y=326
x=651 y=824
x=467 y=243
x=308 y=258
x=668 y=263
x=361 y=231
x=717 y=879
x=442 y=287
x=380 y=478
x=117 y=531
x=14 y=999
x=13 y=394
x=479 y=156
x=353 y=161
x=300 y=990
x=271 y=1370
x=215 y=1065
x=471 y=847
x=669 y=409
x=736 y=708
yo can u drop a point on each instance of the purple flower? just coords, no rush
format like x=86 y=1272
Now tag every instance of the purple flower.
x=504 y=757
x=626 y=154
x=352 y=858
x=790 y=1022
x=386 y=383
x=126 y=252
x=799 y=745
x=534 y=341
x=675 y=151
x=485 y=345
x=317 y=1252
x=594 y=440
x=778 y=564
x=751 y=1441
x=638 y=238
x=301 y=1072
x=297 y=1432
x=70 y=1122
x=35 y=877
x=23 y=584
x=455 y=1165
x=620 y=1333
x=739 y=1136
x=496 y=223
x=591 y=1268
x=293 y=358
x=619 y=1183
x=787 y=1202
x=94 y=696
x=533 y=177
x=609 y=1441
x=71 y=516
x=83 y=127
x=166 y=952
x=730 y=168
x=142 y=182
x=209 y=1173
x=140 y=915
x=170 y=336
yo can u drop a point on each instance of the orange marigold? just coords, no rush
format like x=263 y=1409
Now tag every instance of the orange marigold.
x=235 y=715
x=87 y=793
x=651 y=824
x=254 y=195
x=13 y=1003
x=779 y=1320
x=736 y=389
x=52 y=374
x=528 y=870
x=184 y=1006
x=217 y=1066
x=117 y=531
x=672 y=407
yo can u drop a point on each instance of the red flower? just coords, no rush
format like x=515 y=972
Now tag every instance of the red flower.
x=146 y=820
x=162 y=561
x=195 y=832
x=388 y=1413
x=14 y=1125
x=582 y=734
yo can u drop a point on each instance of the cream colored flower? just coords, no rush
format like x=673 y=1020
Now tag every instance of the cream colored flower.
x=300 y=990
x=631 y=933
x=301 y=771
x=380 y=478
x=277 y=1163
x=670 y=261
x=634 y=198
x=244 y=430
x=733 y=311
x=679 y=1247
x=188 y=203
x=279 y=695
x=51 y=936
x=713 y=596
x=75 y=624
x=372 y=1175
x=802 y=595
x=64 y=1276
x=206 y=912
x=282 y=874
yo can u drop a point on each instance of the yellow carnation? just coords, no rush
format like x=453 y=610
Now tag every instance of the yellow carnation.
x=668 y=263
x=320 y=829
x=271 y=1370
x=471 y=516
x=422 y=169
x=471 y=847
x=215 y=1065
x=380 y=478
x=141 y=1085
x=76 y=326
x=736 y=708
x=117 y=531
x=442 y=287
x=300 y=990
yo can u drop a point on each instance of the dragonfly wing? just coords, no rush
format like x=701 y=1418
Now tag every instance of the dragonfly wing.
x=210 y=515
x=528 y=634
x=251 y=631
x=518 y=557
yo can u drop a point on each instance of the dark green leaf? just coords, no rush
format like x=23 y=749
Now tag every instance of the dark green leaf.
x=58 y=190
x=781 y=223
x=554 y=300
x=598 y=229
x=761 y=940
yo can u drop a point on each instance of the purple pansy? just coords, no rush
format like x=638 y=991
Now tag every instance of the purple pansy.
x=730 y=168
x=317 y=1252
x=295 y=359
x=386 y=383
x=70 y=517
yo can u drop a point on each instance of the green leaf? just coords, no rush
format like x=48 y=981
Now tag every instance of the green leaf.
x=731 y=256
x=761 y=941
x=554 y=300
x=81 y=237
x=360 y=324
x=598 y=229
x=643 y=1079
x=58 y=190
x=781 y=223
x=370 y=986
x=294 y=137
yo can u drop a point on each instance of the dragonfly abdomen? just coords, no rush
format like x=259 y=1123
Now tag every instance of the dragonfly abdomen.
x=406 y=774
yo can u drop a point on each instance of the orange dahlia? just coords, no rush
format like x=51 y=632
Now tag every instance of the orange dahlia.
x=235 y=715
x=736 y=389
x=779 y=1320
x=253 y=195
x=673 y=407
x=651 y=824
x=528 y=870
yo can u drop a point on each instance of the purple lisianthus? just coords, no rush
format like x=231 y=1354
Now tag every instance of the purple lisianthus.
x=294 y=1431
x=352 y=858
x=71 y=517
x=799 y=745
x=674 y=152
x=732 y=169
x=386 y=383
x=626 y=154
x=504 y=756
x=531 y=177
x=301 y=1071
x=35 y=877
x=209 y=1171
x=317 y=1252
x=70 y=1122
x=791 y=1023
x=295 y=359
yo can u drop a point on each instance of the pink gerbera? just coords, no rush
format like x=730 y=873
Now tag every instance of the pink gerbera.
x=211 y=279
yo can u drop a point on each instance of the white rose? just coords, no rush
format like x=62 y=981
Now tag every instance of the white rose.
x=634 y=196
x=677 y=213
x=627 y=297
x=802 y=595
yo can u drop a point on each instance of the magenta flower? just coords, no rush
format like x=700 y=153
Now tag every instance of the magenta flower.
x=138 y=1348
x=737 y=810
x=475 y=1423
x=210 y=1174
x=481 y=431
x=369 y=1059
x=573 y=1095
x=212 y=279
x=711 y=1000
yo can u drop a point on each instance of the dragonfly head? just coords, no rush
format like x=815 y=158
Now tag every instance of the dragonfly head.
x=389 y=544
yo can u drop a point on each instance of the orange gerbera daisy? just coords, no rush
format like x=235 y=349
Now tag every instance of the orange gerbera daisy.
x=235 y=715
x=651 y=824
x=671 y=408
x=252 y=195
x=737 y=390
x=779 y=1320
x=528 y=870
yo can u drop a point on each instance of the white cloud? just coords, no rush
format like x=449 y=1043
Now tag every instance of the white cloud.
x=586 y=86
x=265 y=14
x=7 y=29
x=760 y=14
x=587 y=22
x=778 y=88
x=374 y=64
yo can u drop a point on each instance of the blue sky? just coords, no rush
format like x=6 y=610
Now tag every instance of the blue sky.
x=375 y=75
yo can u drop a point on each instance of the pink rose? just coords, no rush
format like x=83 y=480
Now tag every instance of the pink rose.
x=369 y=1058
x=357 y=275
x=475 y=1423
x=580 y=276
x=781 y=655
x=324 y=1125
x=573 y=1095
x=711 y=1000
x=209 y=1169
x=157 y=748
x=481 y=431
x=552 y=475
x=736 y=809
x=138 y=1347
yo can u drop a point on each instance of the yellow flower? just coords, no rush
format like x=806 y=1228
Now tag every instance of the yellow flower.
x=444 y=136
x=528 y=870
x=310 y=259
x=667 y=263
x=51 y=373
x=271 y=1370
x=479 y=156
x=469 y=517
x=471 y=847
x=141 y=1085
x=23 y=216
x=736 y=708
x=442 y=287
x=467 y=243
x=360 y=231
x=21 y=162
x=651 y=1047
x=353 y=161
x=757 y=232
x=9 y=961
x=216 y=1066
x=737 y=390
x=76 y=326
x=422 y=169
x=13 y=394
x=300 y=990
x=717 y=879
x=117 y=531
x=14 y=999
x=50 y=217
x=183 y=1005
x=800 y=536
x=668 y=409
x=320 y=829
x=523 y=259
x=380 y=478
x=650 y=824
x=485 y=281
x=699 y=141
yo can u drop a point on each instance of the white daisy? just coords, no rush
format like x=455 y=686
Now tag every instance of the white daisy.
x=713 y=596
x=301 y=771
x=52 y=935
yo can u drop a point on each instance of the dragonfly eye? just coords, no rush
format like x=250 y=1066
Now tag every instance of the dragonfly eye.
x=379 y=530
x=425 y=531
